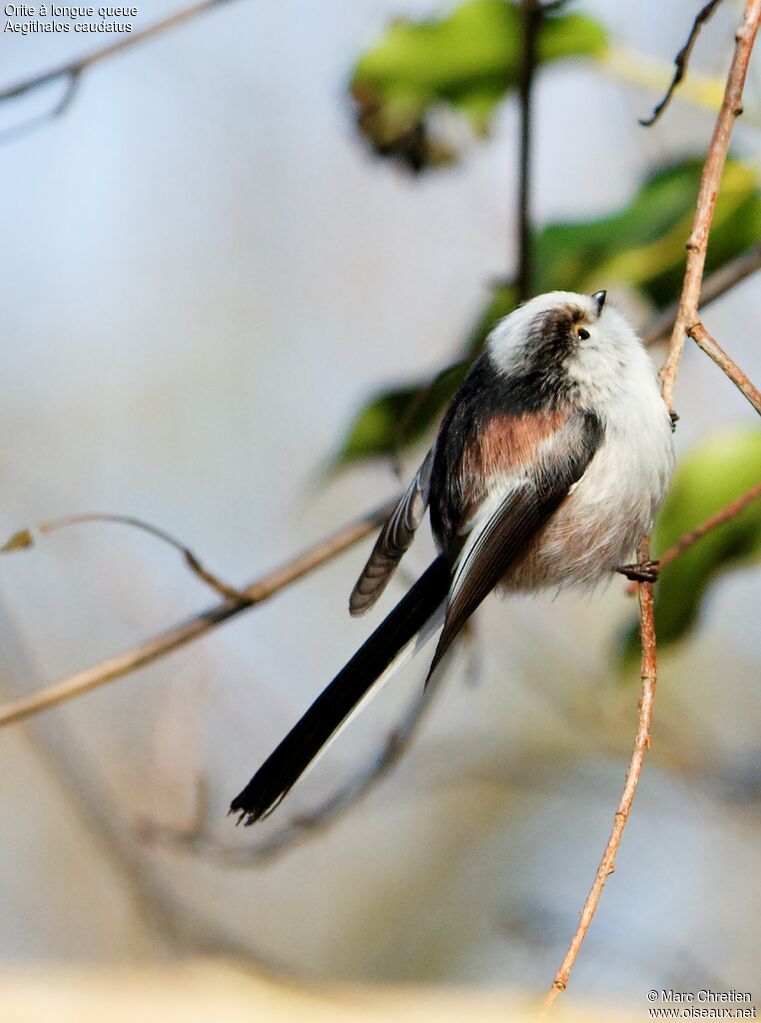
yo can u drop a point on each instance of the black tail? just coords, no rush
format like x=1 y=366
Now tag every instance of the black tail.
x=285 y=766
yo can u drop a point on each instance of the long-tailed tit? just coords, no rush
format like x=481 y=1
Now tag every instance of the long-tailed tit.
x=547 y=470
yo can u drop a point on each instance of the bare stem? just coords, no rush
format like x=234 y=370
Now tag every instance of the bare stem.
x=686 y=540
x=195 y=627
x=649 y=673
x=732 y=511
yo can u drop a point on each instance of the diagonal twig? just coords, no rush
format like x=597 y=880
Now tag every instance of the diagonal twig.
x=193 y=628
x=686 y=540
x=681 y=60
x=716 y=284
x=71 y=72
x=740 y=379
x=731 y=511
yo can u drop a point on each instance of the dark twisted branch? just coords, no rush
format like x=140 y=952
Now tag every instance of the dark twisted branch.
x=681 y=60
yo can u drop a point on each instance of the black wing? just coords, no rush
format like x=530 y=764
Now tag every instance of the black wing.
x=510 y=520
x=394 y=540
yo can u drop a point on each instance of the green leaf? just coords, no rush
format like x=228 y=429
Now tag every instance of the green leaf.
x=467 y=61
x=720 y=469
x=643 y=244
x=398 y=416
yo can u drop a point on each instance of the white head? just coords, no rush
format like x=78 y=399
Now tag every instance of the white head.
x=570 y=341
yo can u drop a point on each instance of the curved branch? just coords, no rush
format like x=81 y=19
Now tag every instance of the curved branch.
x=714 y=286
x=195 y=627
x=25 y=539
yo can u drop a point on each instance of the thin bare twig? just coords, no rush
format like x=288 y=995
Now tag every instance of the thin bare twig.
x=742 y=382
x=731 y=108
x=732 y=511
x=25 y=539
x=686 y=540
x=649 y=673
x=714 y=286
x=681 y=60
x=195 y=627
x=317 y=820
x=71 y=72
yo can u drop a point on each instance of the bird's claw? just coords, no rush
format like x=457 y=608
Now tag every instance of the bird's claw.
x=641 y=571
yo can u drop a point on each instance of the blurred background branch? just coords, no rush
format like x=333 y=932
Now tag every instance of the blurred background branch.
x=72 y=71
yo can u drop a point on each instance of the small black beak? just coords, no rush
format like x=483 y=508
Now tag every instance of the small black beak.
x=599 y=299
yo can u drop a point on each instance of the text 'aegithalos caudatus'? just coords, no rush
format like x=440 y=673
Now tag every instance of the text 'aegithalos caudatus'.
x=549 y=466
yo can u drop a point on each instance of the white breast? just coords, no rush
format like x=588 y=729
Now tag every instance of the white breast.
x=613 y=505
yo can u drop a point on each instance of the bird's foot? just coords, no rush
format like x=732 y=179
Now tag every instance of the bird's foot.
x=641 y=571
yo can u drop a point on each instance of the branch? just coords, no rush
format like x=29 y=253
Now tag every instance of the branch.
x=703 y=339
x=731 y=108
x=649 y=674
x=714 y=286
x=309 y=824
x=533 y=14
x=686 y=540
x=195 y=627
x=72 y=71
x=681 y=60
x=25 y=539
x=732 y=511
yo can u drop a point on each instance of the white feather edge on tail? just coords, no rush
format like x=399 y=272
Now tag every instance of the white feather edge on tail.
x=418 y=641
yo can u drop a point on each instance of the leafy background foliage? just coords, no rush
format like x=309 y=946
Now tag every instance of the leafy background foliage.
x=467 y=62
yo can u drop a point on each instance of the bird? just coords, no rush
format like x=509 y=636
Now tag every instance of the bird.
x=548 y=468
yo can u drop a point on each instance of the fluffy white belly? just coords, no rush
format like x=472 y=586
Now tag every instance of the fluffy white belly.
x=598 y=526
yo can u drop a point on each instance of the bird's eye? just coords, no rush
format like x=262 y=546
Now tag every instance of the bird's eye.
x=582 y=334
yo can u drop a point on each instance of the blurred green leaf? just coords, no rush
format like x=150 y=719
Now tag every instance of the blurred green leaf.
x=720 y=469
x=466 y=61
x=640 y=246
x=398 y=416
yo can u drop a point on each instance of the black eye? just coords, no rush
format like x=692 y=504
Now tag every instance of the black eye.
x=583 y=334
